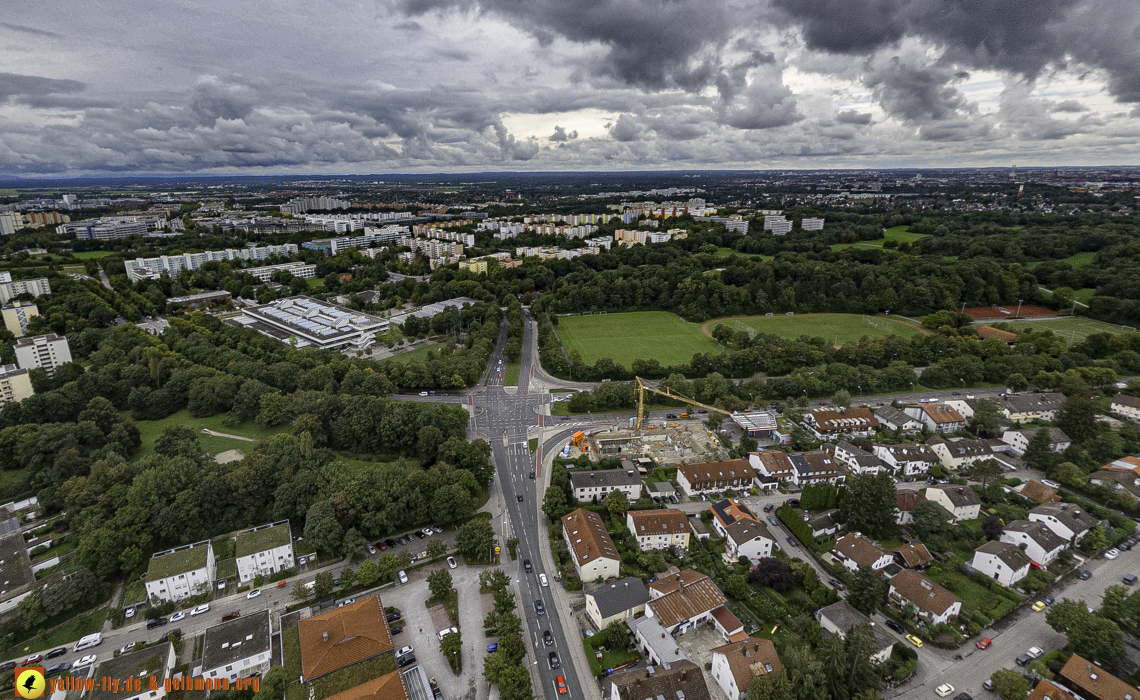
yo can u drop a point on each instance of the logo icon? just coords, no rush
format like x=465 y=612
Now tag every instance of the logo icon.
x=30 y=682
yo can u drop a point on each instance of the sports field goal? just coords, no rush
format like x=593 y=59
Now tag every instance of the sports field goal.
x=871 y=321
x=742 y=327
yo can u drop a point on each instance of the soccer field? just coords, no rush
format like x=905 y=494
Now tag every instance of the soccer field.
x=1073 y=330
x=625 y=337
x=837 y=329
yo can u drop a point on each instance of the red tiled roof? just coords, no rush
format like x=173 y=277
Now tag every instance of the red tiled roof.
x=343 y=636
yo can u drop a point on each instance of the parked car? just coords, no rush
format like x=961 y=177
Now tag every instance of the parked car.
x=769 y=508
x=57 y=669
x=1129 y=579
x=492 y=648
x=420 y=534
x=1038 y=606
x=438 y=529
x=1112 y=553
x=406 y=660
x=390 y=542
x=1035 y=652
x=895 y=626
x=128 y=647
x=129 y=612
x=204 y=607
x=428 y=532
x=177 y=616
x=392 y=617
x=451 y=563
x=402 y=576
x=34 y=658
x=984 y=643
x=405 y=650
x=792 y=541
x=773 y=520
x=914 y=640
x=944 y=690
x=1022 y=660
x=56 y=652
x=1085 y=575
x=396 y=630
x=444 y=633
x=85 y=661
x=253 y=594
x=1048 y=600
x=963 y=696
x=7 y=666
x=156 y=622
x=231 y=615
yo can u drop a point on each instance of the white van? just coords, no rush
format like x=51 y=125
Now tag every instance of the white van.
x=91 y=640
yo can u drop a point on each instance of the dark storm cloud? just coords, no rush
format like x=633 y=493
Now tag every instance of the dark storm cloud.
x=850 y=116
x=1071 y=106
x=649 y=43
x=916 y=93
x=560 y=135
x=626 y=129
x=17 y=85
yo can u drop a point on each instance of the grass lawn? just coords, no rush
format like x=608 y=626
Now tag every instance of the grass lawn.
x=729 y=252
x=610 y=659
x=1073 y=330
x=135 y=593
x=149 y=430
x=93 y=254
x=78 y=269
x=625 y=337
x=412 y=464
x=974 y=596
x=1074 y=260
x=13 y=482
x=532 y=444
x=418 y=355
x=1083 y=295
x=77 y=627
x=511 y=374
x=897 y=233
x=315 y=283
x=837 y=328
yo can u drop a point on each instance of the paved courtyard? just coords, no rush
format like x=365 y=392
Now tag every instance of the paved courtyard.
x=698 y=644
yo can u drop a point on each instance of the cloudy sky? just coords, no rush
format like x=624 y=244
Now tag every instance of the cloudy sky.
x=343 y=86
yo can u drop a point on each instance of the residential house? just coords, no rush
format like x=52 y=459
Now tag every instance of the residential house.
x=774 y=464
x=1093 y=682
x=715 y=477
x=736 y=665
x=839 y=618
x=958 y=453
x=658 y=529
x=673 y=680
x=908 y=459
x=853 y=551
x=617 y=600
x=964 y=407
x=181 y=572
x=730 y=627
x=1001 y=561
x=239 y=648
x=824 y=522
x=907 y=500
x=816 y=468
x=595 y=556
x=748 y=538
x=1026 y=408
x=932 y=602
x=1034 y=490
x=892 y=418
x=857 y=460
x=1041 y=543
x=937 y=417
x=1068 y=521
x=1125 y=406
x=263 y=551
x=1019 y=439
x=962 y=501
x=682 y=600
x=729 y=511
x=155 y=662
x=396 y=685
x=343 y=637
x=596 y=485
x=656 y=645
x=827 y=423
x=1048 y=690
x=1121 y=474
x=913 y=555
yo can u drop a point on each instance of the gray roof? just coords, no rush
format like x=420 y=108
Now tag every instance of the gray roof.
x=661 y=487
x=743 y=531
x=620 y=596
x=657 y=638
x=609 y=478
x=959 y=495
x=910 y=452
x=843 y=616
x=679 y=680
x=1032 y=403
x=235 y=640
x=15 y=567
x=894 y=416
x=1011 y=554
x=1056 y=435
x=1039 y=532
x=1071 y=516
x=150 y=661
x=970 y=448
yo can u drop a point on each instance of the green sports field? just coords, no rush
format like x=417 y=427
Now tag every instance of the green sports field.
x=835 y=328
x=895 y=233
x=1073 y=330
x=625 y=337
x=1074 y=260
x=93 y=254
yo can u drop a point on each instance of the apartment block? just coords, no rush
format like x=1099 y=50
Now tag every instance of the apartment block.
x=16 y=316
x=46 y=352
x=10 y=288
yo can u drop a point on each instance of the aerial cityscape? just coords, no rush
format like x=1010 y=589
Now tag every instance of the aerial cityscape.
x=447 y=350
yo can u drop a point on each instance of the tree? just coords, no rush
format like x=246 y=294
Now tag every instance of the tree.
x=452 y=648
x=178 y=441
x=353 y=544
x=771 y=686
x=1017 y=382
x=869 y=505
x=842 y=398
x=992 y=527
x=1077 y=418
x=273 y=684
x=737 y=587
x=321 y=527
x=428 y=442
x=617 y=503
x=439 y=583
x=513 y=547
x=494 y=579
x=368 y=573
x=324 y=585
x=984 y=470
x=555 y=503
x=987 y=417
x=436 y=548
x=774 y=573
x=867 y=591
x=300 y=592
x=1009 y=685
x=931 y=519
x=1091 y=636
x=1038 y=453
x=475 y=539
x=617 y=635
x=347 y=577
x=388 y=565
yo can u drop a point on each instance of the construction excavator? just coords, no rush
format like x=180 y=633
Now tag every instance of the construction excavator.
x=642 y=387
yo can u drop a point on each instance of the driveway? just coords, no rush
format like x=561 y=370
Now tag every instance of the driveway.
x=421 y=633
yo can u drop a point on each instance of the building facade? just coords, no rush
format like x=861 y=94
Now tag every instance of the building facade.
x=17 y=315
x=263 y=551
x=46 y=352
x=181 y=572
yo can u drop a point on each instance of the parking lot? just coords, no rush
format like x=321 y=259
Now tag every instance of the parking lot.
x=421 y=633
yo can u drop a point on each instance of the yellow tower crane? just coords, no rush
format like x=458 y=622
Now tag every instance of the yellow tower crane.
x=642 y=387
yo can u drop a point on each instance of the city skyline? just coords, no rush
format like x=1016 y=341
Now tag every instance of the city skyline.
x=457 y=86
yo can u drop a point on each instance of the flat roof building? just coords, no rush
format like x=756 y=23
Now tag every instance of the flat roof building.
x=180 y=572
x=263 y=551
x=239 y=648
x=312 y=323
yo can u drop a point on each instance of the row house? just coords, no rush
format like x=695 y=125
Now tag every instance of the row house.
x=937 y=417
x=1018 y=440
x=1028 y=408
x=827 y=423
x=714 y=477
x=855 y=459
x=909 y=459
x=1042 y=545
x=892 y=418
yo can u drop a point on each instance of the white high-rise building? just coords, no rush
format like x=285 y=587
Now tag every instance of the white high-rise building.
x=811 y=224
x=42 y=352
x=778 y=225
x=10 y=289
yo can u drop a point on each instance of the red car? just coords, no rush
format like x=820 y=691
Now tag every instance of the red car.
x=985 y=643
x=561 y=685
x=34 y=658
